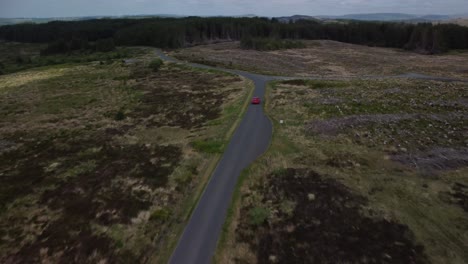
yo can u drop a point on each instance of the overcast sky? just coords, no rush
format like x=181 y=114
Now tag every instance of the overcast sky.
x=62 y=8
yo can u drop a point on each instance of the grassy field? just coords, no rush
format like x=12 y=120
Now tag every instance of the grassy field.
x=357 y=172
x=100 y=162
x=328 y=58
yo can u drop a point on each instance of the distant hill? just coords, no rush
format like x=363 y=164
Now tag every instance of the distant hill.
x=295 y=18
x=11 y=21
x=435 y=17
x=377 y=17
x=390 y=17
x=458 y=18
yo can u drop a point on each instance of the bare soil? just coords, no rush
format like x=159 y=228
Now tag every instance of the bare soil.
x=435 y=159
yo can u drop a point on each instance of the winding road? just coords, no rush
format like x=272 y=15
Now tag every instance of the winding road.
x=251 y=139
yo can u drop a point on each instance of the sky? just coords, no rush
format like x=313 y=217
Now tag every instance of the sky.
x=68 y=8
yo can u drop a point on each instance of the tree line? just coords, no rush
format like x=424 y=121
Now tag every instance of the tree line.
x=61 y=46
x=182 y=32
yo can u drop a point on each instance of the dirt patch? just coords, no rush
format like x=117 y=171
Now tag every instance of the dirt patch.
x=325 y=225
x=334 y=126
x=438 y=159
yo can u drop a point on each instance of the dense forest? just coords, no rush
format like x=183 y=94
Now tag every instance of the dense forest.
x=181 y=32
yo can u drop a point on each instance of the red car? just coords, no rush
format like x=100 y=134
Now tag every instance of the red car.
x=256 y=100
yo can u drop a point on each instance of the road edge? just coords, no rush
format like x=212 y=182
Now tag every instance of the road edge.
x=236 y=197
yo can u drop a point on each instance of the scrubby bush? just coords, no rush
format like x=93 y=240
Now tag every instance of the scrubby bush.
x=258 y=215
x=160 y=215
x=120 y=115
x=156 y=64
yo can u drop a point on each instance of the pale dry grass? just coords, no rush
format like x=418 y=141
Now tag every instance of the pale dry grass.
x=14 y=80
x=458 y=21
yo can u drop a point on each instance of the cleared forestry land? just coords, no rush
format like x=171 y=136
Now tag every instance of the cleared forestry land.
x=324 y=58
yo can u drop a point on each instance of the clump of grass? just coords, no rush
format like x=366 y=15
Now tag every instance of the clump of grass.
x=258 y=215
x=279 y=172
x=160 y=215
x=288 y=207
x=208 y=146
x=184 y=176
x=156 y=64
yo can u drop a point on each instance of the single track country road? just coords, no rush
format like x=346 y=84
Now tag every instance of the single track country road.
x=251 y=139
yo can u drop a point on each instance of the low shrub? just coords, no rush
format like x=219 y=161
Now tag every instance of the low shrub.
x=160 y=215
x=156 y=64
x=258 y=215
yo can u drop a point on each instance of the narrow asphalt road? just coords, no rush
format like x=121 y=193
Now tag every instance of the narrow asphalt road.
x=198 y=241
x=251 y=138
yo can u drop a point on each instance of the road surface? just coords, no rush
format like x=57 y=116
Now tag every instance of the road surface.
x=251 y=138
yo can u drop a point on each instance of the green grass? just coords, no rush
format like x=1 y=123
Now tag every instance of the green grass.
x=209 y=146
